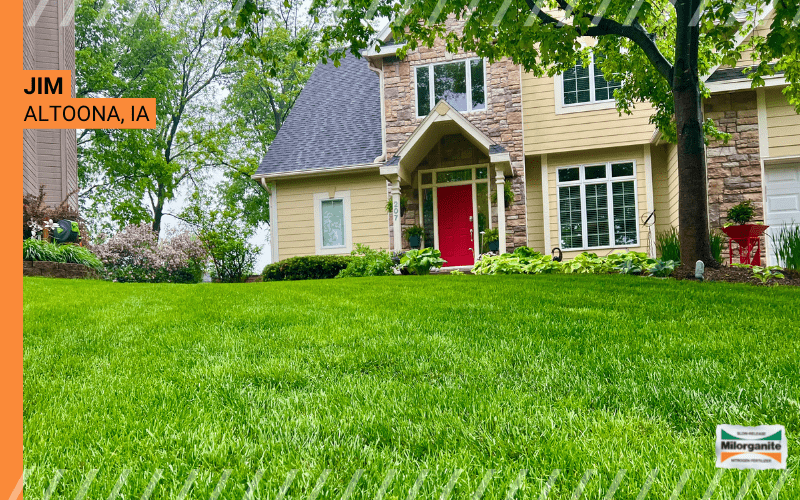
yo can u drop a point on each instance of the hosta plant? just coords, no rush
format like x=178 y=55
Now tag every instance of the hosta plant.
x=420 y=262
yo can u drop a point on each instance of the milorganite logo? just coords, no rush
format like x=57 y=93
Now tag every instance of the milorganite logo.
x=762 y=447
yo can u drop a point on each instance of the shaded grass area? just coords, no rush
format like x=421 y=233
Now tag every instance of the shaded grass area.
x=436 y=373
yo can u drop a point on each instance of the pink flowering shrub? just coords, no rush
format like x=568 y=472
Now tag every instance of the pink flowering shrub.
x=135 y=254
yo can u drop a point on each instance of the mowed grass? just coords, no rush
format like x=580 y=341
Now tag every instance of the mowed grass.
x=404 y=374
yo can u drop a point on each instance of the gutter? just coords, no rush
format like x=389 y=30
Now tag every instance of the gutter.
x=293 y=174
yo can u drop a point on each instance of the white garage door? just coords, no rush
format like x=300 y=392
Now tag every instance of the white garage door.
x=783 y=200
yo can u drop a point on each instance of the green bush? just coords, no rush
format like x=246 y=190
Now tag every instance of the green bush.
x=368 y=262
x=312 y=267
x=39 y=250
x=232 y=257
x=787 y=246
x=420 y=262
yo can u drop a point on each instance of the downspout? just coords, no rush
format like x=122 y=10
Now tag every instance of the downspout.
x=379 y=71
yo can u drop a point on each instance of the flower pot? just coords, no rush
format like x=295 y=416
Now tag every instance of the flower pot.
x=744 y=231
x=494 y=246
x=747 y=237
x=414 y=241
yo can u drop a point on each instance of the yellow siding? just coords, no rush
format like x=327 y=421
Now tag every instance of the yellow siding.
x=762 y=30
x=546 y=132
x=661 y=188
x=783 y=125
x=555 y=161
x=295 y=211
x=533 y=196
x=672 y=184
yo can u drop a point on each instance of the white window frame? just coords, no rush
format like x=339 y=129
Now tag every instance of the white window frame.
x=434 y=185
x=348 y=226
x=592 y=105
x=432 y=91
x=582 y=182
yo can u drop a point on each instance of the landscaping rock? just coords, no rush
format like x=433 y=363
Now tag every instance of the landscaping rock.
x=58 y=270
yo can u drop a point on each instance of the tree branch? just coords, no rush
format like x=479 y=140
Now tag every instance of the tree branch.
x=604 y=27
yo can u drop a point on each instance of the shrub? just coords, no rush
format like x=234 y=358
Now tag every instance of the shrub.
x=135 y=255
x=741 y=213
x=420 y=262
x=368 y=262
x=38 y=250
x=232 y=257
x=668 y=245
x=786 y=241
x=312 y=267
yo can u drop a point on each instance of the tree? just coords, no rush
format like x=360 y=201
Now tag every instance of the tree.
x=267 y=77
x=156 y=49
x=659 y=49
x=223 y=232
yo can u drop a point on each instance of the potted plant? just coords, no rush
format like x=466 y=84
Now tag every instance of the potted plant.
x=744 y=234
x=414 y=236
x=508 y=195
x=491 y=238
x=403 y=205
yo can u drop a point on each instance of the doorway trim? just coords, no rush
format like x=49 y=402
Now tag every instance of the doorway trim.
x=434 y=183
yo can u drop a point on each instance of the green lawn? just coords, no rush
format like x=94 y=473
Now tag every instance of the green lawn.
x=430 y=373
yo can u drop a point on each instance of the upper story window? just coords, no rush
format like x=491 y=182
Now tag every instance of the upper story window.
x=460 y=83
x=587 y=85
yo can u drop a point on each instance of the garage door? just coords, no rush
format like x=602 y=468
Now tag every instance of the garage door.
x=783 y=200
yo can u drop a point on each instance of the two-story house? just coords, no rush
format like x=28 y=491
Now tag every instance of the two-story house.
x=449 y=132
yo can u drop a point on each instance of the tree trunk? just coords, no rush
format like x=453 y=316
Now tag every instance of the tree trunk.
x=693 y=229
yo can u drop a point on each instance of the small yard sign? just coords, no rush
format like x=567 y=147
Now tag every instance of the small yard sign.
x=762 y=447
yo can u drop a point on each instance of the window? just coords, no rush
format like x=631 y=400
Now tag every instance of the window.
x=332 y=223
x=597 y=206
x=587 y=85
x=459 y=83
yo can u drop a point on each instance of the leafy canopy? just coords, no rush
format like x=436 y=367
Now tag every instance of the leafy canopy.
x=547 y=37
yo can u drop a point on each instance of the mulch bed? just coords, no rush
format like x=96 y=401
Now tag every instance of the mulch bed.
x=737 y=275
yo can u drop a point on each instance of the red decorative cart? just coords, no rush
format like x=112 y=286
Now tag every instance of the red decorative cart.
x=748 y=238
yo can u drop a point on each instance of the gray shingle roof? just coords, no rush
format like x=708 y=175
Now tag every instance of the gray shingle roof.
x=336 y=121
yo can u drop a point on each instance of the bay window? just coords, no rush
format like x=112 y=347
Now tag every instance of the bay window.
x=597 y=206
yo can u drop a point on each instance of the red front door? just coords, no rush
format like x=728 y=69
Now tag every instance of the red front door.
x=455 y=225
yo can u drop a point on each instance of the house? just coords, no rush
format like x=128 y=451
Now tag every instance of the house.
x=448 y=132
x=49 y=156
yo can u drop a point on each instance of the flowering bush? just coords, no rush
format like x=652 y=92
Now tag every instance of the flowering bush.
x=136 y=255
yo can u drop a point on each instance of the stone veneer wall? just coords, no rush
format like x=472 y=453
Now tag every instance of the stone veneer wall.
x=501 y=121
x=734 y=169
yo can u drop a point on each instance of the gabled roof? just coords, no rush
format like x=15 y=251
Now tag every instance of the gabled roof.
x=442 y=120
x=335 y=122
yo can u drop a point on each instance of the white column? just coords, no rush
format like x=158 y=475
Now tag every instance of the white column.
x=500 y=180
x=398 y=236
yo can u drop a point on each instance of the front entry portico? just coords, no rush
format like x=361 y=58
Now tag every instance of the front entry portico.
x=454 y=172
